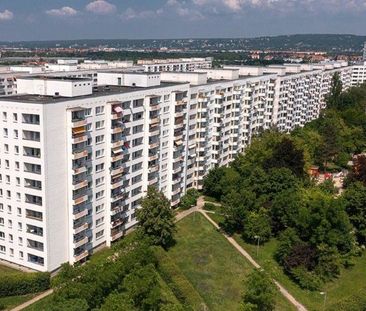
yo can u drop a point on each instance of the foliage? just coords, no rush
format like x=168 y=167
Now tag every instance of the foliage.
x=359 y=170
x=189 y=199
x=305 y=279
x=257 y=226
x=176 y=280
x=209 y=206
x=14 y=284
x=260 y=292
x=285 y=154
x=355 y=202
x=328 y=187
x=355 y=302
x=156 y=219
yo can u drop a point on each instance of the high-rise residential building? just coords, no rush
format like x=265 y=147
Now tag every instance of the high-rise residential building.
x=76 y=158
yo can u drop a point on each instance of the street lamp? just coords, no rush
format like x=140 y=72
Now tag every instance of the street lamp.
x=258 y=238
x=325 y=298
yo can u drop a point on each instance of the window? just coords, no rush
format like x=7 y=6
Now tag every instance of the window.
x=99 y=208
x=99 y=110
x=2 y=249
x=16 y=134
x=15 y=117
x=99 y=139
x=5 y=132
x=99 y=125
x=99 y=167
x=88 y=112
x=99 y=153
x=99 y=234
x=99 y=181
x=2 y=235
x=99 y=195
x=99 y=222
x=5 y=116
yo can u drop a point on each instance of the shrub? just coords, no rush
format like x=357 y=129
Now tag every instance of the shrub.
x=23 y=283
x=189 y=199
x=209 y=207
x=306 y=279
x=181 y=287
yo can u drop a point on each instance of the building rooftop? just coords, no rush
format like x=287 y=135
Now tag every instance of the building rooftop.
x=55 y=78
x=102 y=90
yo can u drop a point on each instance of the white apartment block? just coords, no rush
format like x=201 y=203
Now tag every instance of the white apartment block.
x=174 y=64
x=76 y=158
x=359 y=74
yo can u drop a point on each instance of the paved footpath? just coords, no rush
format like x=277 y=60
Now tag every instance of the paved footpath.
x=32 y=301
x=283 y=290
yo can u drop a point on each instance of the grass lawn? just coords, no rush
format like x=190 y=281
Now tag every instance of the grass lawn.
x=350 y=280
x=212 y=265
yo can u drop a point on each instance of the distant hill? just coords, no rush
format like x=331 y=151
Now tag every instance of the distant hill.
x=304 y=42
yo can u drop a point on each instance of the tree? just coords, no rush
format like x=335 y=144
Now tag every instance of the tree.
x=355 y=202
x=212 y=182
x=189 y=199
x=235 y=206
x=156 y=219
x=259 y=292
x=118 y=302
x=257 y=225
x=142 y=288
x=359 y=169
x=286 y=154
x=334 y=97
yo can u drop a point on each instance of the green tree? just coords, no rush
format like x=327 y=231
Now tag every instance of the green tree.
x=189 y=199
x=235 y=206
x=257 y=225
x=156 y=218
x=212 y=182
x=118 y=302
x=142 y=288
x=334 y=97
x=286 y=154
x=355 y=202
x=259 y=292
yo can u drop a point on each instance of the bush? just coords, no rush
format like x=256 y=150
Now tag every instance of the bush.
x=306 y=279
x=189 y=199
x=24 y=283
x=209 y=207
x=181 y=287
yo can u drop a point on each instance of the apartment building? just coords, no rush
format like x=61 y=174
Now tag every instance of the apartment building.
x=174 y=64
x=76 y=157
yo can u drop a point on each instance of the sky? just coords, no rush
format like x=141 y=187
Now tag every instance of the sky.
x=146 y=19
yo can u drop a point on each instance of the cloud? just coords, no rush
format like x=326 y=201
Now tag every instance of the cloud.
x=6 y=15
x=101 y=7
x=182 y=9
x=130 y=14
x=63 y=12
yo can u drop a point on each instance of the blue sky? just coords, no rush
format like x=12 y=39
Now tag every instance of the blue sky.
x=76 y=19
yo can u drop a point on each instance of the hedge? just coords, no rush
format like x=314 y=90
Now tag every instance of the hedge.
x=16 y=284
x=179 y=284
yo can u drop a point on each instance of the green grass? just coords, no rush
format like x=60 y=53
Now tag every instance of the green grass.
x=13 y=301
x=212 y=265
x=8 y=270
x=350 y=280
x=210 y=199
x=41 y=305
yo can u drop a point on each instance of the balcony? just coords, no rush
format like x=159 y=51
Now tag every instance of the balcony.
x=116 y=171
x=118 y=143
x=81 y=255
x=154 y=144
x=79 y=139
x=154 y=107
x=81 y=228
x=80 y=242
x=79 y=184
x=79 y=200
x=116 y=234
x=153 y=181
x=79 y=169
x=154 y=121
x=153 y=157
x=79 y=153
x=80 y=214
x=117 y=129
x=78 y=122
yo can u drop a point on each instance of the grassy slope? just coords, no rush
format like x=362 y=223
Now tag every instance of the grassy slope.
x=212 y=265
x=350 y=280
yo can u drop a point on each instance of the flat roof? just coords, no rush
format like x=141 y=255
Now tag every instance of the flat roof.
x=102 y=90
x=55 y=78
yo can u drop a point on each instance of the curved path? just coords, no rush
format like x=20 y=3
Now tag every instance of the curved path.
x=244 y=253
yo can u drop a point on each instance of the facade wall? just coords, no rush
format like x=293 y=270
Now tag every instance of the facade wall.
x=77 y=167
